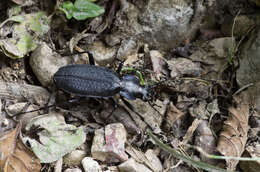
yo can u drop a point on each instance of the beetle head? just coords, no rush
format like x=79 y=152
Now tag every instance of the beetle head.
x=146 y=93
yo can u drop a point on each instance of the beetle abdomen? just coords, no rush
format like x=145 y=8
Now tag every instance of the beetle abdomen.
x=87 y=80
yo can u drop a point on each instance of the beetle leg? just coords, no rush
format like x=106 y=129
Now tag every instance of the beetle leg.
x=120 y=67
x=91 y=58
x=115 y=105
x=129 y=105
x=152 y=106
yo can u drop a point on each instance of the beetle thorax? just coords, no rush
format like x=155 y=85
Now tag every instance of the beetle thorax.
x=132 y=89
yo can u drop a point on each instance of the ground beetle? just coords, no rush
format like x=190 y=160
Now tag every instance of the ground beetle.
x=95 y=81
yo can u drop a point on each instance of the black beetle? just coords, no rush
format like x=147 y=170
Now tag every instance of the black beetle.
x=94 y=81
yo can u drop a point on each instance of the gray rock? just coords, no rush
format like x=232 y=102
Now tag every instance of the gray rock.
x=102 y=54
x=222 y=46
x=13 y=109
x=72 y=170
x=74 y=158
x=128 y=47
x=165 y=23
x=162 y=24
x=90 y=165
x=45 y=63
x=183 y=66
x=248 y=72
x=241 y=26
x=132 y=166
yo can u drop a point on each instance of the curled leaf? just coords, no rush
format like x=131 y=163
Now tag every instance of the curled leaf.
x=233 y=138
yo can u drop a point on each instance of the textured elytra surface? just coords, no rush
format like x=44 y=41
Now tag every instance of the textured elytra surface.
x=87 y=80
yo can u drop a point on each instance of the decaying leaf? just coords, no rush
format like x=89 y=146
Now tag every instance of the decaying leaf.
x=233 y=138
x=51 y=138
x=174 y=120
x=14 y=156
x=26 y=33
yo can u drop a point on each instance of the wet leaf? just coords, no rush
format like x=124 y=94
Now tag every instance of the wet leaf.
x=81 y=10
x=52 y=138
x=14 y=156
x=233 y=138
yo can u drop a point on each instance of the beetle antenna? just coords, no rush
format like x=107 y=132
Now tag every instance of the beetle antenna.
x=42 y=108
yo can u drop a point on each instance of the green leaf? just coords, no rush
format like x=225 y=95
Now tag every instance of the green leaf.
x=19 y=19
x=84 y=15
x=67 y=8
x=85 y=5
x=81 y=10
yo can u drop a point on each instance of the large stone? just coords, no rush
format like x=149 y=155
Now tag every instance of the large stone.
x=159 y=23
x=113 y=148
x=44 y=63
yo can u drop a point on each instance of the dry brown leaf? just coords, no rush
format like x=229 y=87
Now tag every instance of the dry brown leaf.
x=15 y=157
x=174 y=120
x=233 y=138
x=251 y=166
x=158 y=63
x=174 y=114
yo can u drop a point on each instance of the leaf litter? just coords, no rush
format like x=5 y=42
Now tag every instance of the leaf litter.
x=232 y=139
x=198 y=88
x=15 y=156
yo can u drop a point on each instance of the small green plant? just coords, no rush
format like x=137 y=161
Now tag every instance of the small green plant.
x=81 y=9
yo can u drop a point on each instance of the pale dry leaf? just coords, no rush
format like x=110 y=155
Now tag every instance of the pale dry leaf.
x=139 y=156
x=158 y=63
x=233 y=138
x=190 y=131
x=205 y=139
